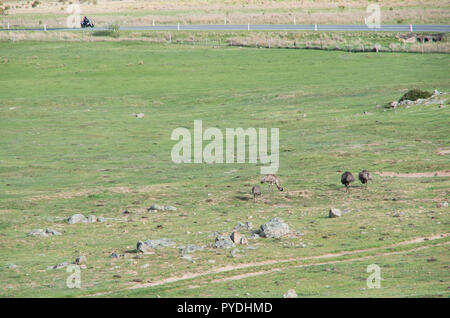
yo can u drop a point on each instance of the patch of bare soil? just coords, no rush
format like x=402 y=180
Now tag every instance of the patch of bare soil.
x=86 y=192
x=445 y=173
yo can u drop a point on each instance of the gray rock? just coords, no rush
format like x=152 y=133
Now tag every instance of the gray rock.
x=442 y=205
x=114 y=255
x=101 y=219
x=12 y=266
x=290 y=294
x=92 y=218
x=164 y=242
x=394 y=104
x=156 y=207
x=52 y=232
x=37 y=232
x=275 y=228
x=246 y=226
x=188 y=249
x=223 y=241
x=58 y=266
x=142 y=247
x=77 y=218
x=334 y=213
x=81 y=260
x=170 y=208
x=187 y=257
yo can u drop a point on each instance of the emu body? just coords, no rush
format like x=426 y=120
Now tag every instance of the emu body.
x=346 y=179
x=364 y=176
x=256 y=191
x=271 y=180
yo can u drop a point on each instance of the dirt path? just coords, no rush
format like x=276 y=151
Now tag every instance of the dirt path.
x=219 y=270
x=445 y=173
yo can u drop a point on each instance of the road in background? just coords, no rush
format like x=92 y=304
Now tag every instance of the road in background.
x=263 y=27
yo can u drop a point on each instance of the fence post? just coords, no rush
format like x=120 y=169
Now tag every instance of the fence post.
x=248 y=26
x=225 y=20
x=315 y=27
x=295 y=22
x=178 y=26
x=153 y=22
x=410 y=28
x=45 y=27
x=8 y=25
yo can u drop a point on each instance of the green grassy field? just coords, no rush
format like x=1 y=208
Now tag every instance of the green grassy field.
x=70 y=144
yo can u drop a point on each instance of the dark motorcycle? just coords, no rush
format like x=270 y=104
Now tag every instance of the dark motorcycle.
x=87 y=24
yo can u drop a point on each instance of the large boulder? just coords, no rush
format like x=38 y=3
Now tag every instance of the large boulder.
x=77 y=218
x=223 y=241
x=334 y=213
x=290 y=294
x=275 y=228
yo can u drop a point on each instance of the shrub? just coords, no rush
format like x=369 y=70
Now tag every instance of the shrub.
x=415 y=94
x=35 y=4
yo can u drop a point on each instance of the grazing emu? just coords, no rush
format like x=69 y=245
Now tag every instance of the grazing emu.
x=256 y=191
x=364 y=176
x=346 y=179
x=271 y=180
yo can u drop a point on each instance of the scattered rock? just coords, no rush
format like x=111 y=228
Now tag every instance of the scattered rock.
x=187 y=257
x=290 y=294
x=164 y=242
x=101 y=219
x=81 y=260
x=12 y=266
x=236 y=237
x=157 y=207
x=37 y=232
x=139 y=115
x=397 y=214
x=115 y=255
x=52 y=232
x=246 y=226
x=188 y=249
x=334 y=213
x=275 y=228
x=92 y=218
x=442 y=205
x=223 y=241
x=77 y=218
x=58 y=266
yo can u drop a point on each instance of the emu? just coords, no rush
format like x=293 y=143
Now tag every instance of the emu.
x=364 y=176
x=256 y=191
x=271 y=180
x=346 y=179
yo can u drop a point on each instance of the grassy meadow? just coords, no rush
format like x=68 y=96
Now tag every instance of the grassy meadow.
x=70 y=143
